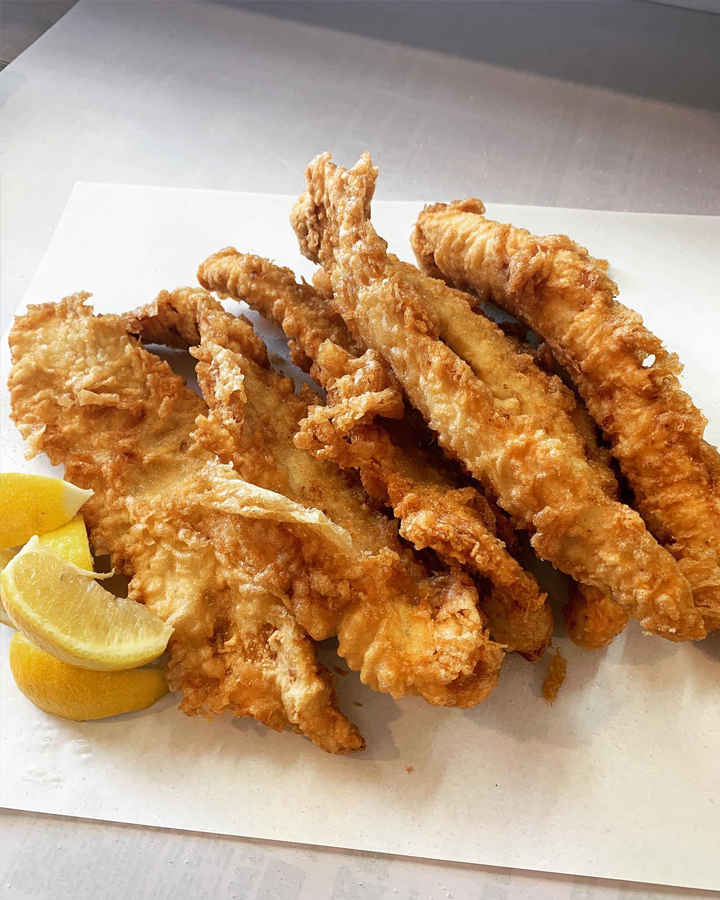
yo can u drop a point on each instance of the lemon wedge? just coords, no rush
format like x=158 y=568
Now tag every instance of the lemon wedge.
x=64 y=611
x=70 y=542
x=5 y=557
x=80 y=694
x=35 y=504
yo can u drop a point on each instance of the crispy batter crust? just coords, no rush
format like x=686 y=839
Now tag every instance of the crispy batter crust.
x=555 y=677
x=90 y=397
x=538 y=474
x=623 y=372
x=528 y=389
x=407 y=631
x=456 y=522
x=592 y=619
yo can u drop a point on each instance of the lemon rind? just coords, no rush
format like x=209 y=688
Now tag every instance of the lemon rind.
x=75 y=652
x=151 y=688
x=73 y=497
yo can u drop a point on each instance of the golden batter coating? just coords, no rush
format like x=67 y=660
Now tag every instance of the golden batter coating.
x=91 y=397
x=539 y=475
x=433 y=510
x=626 y=376
x=555 y=677
x=405 y=629
x=592 y=618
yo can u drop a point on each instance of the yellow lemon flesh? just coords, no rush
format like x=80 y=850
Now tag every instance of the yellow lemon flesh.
x=5 y=557
x=81 y=694
x=70 y=542
x=65 y=612
x=34 y=504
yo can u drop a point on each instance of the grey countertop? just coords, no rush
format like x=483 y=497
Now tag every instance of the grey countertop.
x=607 y=105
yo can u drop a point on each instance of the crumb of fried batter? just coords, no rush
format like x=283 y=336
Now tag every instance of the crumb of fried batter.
x=555 y=677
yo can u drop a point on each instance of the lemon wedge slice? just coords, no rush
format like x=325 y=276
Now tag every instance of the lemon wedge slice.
x=64 y=611
x=70 y=542
x=80 y=694
x=35 y=504
x=5 y=557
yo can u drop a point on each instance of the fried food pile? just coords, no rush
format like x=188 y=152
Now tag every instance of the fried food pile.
x=388 y=509
x=627 y=378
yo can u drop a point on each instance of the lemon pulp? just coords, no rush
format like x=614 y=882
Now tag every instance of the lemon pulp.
x=70 y=542
x=65 y=612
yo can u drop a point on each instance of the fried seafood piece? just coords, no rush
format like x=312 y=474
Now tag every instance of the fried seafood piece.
x=536 y=466
x=593 y=619
x=353 y=430
x=627 y=378
x=172 y=518
x=407 y=630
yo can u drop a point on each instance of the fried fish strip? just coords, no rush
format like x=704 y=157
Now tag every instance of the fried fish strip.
x=406 y=630
x=92 y=398
x=627 y=378
x=540 y=475
x=433 y=511
x=592 y=618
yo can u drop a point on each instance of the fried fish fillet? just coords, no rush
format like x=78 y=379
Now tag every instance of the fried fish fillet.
x=593 y=619
x=536 y=468
x=405 y=629
x=433 y=510
x=626 y=376
x=192 y=537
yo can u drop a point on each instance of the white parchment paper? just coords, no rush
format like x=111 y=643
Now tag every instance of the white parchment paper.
x=619 y=779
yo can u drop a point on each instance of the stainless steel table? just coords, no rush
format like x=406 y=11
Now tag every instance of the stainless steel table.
x=595 y=104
